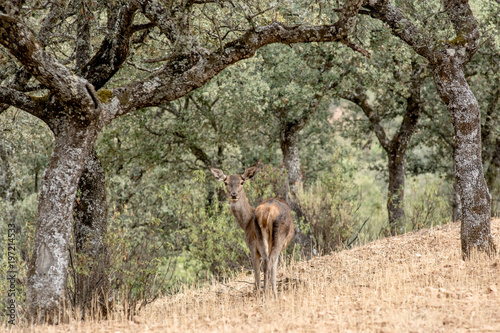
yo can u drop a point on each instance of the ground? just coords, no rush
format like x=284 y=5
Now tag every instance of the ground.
x=415 y=282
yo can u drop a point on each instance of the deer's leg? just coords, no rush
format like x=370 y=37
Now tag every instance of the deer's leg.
x=273 y=265
x=263 y=249
x=256 y=269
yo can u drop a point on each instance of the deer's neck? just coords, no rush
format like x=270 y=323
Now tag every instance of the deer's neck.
x=242 y=211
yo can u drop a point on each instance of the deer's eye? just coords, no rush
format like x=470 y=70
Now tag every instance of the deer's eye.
x=242 y=183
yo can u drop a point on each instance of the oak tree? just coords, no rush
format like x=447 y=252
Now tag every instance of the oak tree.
x=76 y=87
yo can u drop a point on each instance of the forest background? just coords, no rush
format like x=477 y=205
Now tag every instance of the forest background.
x=322 y=120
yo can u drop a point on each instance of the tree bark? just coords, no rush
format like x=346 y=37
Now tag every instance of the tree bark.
x=396 y=193
x=456 y=203
x=90 y=227
x=46 y=285
x=474 y=195
x=291 y=160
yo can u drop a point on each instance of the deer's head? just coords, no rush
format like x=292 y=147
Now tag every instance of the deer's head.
x=234 y=183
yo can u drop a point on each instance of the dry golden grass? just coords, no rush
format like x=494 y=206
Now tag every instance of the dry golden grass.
x=416 y=282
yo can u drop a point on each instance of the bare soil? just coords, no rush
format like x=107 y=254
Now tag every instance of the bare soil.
x=415 y=282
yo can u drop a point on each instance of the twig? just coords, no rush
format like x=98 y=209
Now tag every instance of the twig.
x=357 y=234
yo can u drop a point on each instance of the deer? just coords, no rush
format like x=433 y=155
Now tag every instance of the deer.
x=268 y=228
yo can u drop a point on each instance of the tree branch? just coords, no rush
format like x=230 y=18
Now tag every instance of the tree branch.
x=401 y=27
x=83 y=45
x=184 y=73
x=18 y=39
x=114 y=48
x=20 y=100
x=401 y=140
x=360 y=99
x=165 y=21
x=465 y=25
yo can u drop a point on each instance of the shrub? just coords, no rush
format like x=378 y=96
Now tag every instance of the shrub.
x=426 y=203
x=270 y=182
x=142 y=262
x=329 y=206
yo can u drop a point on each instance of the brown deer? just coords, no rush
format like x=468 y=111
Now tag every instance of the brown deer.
x=268 y=228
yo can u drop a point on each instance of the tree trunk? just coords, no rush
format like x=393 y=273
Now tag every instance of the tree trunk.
x=291 y=160
x=448 y=59
x=47 y=274
x=395 y=195
x=474 y=195
x=397 y=146
x=90 y=227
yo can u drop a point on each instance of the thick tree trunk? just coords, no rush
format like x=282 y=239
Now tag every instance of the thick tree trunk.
x=395 y=195
x=47 y=274
x=291 y=160
x=91 y=283
x=474 y=195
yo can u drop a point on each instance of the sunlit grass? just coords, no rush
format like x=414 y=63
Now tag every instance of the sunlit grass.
x=411 y=283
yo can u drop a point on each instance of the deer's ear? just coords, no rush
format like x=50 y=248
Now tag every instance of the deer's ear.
x=218 y=174
x=250 y=172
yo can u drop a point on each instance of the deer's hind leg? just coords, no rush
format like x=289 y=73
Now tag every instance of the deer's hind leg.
x=256 y=269
x=273 y=266
x=263 y=246
x=263 y=249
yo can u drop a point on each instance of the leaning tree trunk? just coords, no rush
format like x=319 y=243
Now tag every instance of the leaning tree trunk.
x=395 y=195
x=47 y=274
x=474 y=195
x=91 y=285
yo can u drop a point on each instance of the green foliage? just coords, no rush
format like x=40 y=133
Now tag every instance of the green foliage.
x=138 y=259
x=216 y=242
x=329 y=206
x=427 y=203
x=270 y=182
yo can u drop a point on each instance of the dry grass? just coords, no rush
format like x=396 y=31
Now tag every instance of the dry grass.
x=411 y=283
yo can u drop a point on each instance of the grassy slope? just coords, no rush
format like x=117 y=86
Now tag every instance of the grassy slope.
x=411 y=283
